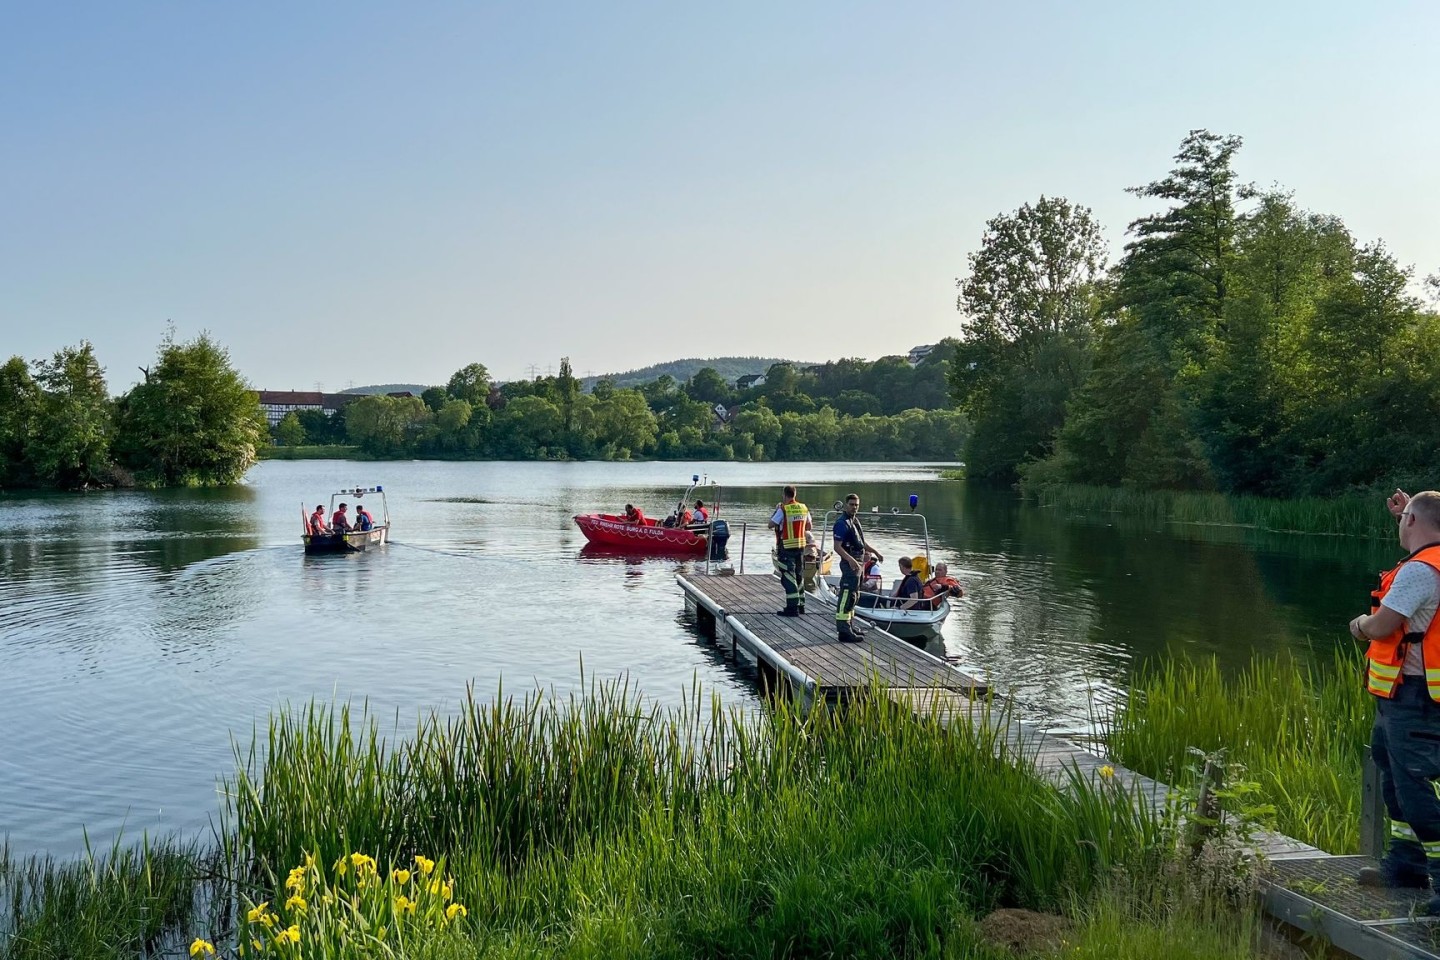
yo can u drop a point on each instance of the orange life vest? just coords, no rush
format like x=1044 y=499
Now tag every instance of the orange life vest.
x=941 y=586
x=1386 y=656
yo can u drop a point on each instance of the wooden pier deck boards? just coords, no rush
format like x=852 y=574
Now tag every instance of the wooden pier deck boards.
x=1307 y=888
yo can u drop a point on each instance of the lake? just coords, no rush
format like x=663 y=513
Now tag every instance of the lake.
x=144 y=634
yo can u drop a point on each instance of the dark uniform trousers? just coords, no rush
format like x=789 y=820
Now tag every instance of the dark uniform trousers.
x=1405 y=743
x=845 y=605
x=791 y=563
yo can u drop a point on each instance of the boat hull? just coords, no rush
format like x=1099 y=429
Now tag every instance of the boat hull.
x=918 y=621
x=356 y=541
x=614 y=533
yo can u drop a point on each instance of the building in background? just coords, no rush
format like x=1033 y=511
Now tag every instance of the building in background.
x=918 y=354
x=277 y=403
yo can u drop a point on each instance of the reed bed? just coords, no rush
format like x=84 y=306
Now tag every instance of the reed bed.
x=1297 y=731
x=125 y=902
x=602 y=826
x=1349 y=516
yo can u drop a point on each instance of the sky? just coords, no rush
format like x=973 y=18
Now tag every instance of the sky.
x=356 y=193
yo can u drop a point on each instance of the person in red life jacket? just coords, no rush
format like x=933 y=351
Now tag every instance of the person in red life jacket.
x=701 y=514
x=942 y=585
x=1403 y=674
x=340 y=520
x=633 y=515
x=317 y=521
x=363 y=518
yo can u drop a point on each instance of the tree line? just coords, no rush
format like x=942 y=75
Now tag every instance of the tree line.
x=1241 y=343
x=848 y=409
x=193 y=421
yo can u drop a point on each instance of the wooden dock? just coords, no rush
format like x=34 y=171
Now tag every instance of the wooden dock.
x=1305 y=887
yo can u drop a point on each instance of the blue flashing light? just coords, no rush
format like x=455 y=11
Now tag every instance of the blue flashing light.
x=379 y=489
x=695 y=478
x=914 y=502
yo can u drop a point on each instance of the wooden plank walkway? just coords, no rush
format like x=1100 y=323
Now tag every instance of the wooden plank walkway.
x=1306 y=887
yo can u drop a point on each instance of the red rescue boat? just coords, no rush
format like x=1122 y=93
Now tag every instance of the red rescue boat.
x=609 y=530
x=615 y=532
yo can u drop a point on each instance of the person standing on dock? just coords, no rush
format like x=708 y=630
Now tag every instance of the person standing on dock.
x=1403 y=673
x=854 y=554
x=791 y=521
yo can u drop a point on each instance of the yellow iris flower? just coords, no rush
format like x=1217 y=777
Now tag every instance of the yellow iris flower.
x=202 y=948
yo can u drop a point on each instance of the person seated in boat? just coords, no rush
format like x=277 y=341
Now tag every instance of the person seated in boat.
x=942 y=585
x=701 y=515
x=909 y=591
x=363 y=519
x=317 y=521
x=340 y=521
x=870 y=580
x=633 y=515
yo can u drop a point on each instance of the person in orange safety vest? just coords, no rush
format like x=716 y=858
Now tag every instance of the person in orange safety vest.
x=1402 y=671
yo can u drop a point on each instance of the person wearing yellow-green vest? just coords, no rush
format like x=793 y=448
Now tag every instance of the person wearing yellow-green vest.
x=1402 y=672
x=791 y=521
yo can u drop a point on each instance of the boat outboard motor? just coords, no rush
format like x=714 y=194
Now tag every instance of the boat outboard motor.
x=719 y=536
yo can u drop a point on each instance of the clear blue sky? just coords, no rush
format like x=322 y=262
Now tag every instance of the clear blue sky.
x=382 y=192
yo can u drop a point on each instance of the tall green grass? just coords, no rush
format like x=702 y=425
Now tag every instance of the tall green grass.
x=1350 y=516
x=1299 y=732
x=119 y=903
x=603 y=826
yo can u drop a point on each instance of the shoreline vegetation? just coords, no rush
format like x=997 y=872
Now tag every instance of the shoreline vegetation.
x=601 y=825
x=1349 y=516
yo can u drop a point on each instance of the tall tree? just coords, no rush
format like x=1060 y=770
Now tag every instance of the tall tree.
x=1031 y=311
x=470 y=383
x=193 y=421
x=70 y=449
x=19 y=407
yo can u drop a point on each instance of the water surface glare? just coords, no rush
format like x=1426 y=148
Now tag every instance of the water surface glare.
x=141 y=632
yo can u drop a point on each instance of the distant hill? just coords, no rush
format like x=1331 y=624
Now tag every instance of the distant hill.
x=728 y=367
x=415 y=388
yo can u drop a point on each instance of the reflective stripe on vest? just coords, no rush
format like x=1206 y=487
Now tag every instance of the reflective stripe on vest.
x=792 y=533
x=1385 y=657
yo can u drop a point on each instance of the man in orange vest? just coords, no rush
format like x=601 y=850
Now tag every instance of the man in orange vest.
x=1403 y=673
x=791 y=521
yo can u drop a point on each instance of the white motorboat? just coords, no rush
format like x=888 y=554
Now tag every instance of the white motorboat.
x=923 y=617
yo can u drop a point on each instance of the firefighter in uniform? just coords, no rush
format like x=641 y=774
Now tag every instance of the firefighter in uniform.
x=791 y=521
x=855 y=553
x=1403 y=673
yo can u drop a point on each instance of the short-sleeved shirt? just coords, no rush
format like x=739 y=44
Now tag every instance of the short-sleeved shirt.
x=1414 y=594
x=850 y=537
x=910 y=587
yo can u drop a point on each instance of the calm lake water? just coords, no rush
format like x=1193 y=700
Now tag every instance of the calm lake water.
x=142 y=634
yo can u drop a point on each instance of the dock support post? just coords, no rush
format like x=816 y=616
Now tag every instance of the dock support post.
x=705 y=620
x=1372 y=810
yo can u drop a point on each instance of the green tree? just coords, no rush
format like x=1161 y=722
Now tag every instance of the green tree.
x=1031 y=306
x=386 y=426
x=1134 y=420
x=70 y=448
x=470 y=383
x=623 y=425
x=435 y=398
x=289 y=432
x=20 y=404
x=193 y=421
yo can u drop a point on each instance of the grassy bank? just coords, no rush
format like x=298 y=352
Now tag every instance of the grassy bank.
x=1350 y=516
x=309 y=453
x=1298 y=733
x=603 y=827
